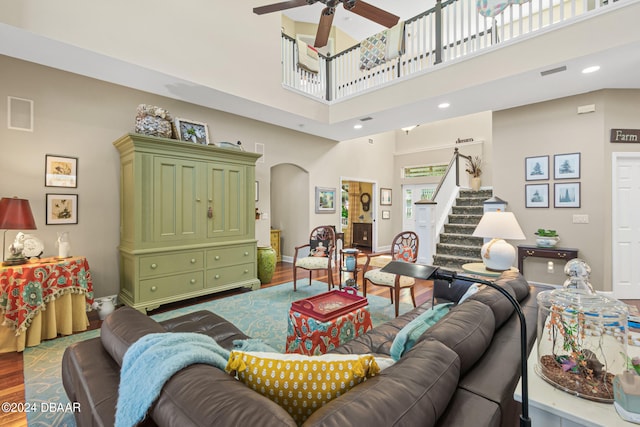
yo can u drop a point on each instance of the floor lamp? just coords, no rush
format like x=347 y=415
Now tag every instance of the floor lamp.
x=427 y=272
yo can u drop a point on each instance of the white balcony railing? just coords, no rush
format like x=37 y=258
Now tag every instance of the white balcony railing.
x=452 y=29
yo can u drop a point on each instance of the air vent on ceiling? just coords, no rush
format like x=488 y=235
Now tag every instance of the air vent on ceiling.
x=553 y=71
x=366 y=119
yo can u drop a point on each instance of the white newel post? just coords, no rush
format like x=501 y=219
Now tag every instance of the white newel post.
x=426 y=230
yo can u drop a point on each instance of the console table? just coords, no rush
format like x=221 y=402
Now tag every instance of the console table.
x=538 y=252
x=43 y=298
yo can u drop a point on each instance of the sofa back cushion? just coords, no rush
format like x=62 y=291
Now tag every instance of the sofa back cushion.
x=516 y=281
x=467 y=329
x=499 y=304
x=122 y=328
x=414 y=391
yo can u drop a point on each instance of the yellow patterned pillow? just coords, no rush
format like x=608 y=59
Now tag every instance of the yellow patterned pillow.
x=301 y=384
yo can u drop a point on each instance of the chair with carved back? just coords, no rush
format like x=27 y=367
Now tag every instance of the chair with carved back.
x=403 y=248
x=322 y=243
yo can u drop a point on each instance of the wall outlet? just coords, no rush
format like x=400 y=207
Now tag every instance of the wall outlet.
x=581 y=219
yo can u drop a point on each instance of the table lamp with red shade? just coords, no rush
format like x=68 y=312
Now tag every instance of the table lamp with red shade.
x=15 y=214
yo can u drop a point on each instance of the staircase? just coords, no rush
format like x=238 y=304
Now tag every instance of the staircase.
x=457 y=246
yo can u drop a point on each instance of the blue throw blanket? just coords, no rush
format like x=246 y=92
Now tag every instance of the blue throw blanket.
x=151 y=361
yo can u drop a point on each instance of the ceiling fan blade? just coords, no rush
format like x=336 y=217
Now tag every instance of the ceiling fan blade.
x=275 y=7
x=324 y=27
x=372 y=13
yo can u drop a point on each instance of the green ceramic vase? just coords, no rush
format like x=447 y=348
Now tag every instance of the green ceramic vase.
x=266 y=263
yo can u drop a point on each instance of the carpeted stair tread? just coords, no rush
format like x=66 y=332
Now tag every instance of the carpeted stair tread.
x=456 y=244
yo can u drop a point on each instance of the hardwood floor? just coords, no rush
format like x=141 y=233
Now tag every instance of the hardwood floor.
x=11 y=367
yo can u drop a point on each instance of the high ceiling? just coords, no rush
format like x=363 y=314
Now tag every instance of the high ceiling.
x=482 y=82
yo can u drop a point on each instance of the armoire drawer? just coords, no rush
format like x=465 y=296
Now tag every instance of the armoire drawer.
x=222 y=257
x=163 y=287
x=155 y=265
x=225 y=275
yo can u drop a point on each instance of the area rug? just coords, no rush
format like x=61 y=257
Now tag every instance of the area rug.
x=260 y=314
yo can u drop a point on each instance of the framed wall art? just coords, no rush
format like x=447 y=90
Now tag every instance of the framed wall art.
x=536 y=195
x=566 y=166
x=386 y=214
x=385 y=197
x=567 y=195
x=192 y=131
x=60 y=171
x=536 y=168
x=62 y=209
x=325 y=200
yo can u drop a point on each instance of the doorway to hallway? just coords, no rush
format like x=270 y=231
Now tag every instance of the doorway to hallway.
x=358 y=206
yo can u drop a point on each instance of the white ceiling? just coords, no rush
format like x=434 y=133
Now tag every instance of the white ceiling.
x=616 y=48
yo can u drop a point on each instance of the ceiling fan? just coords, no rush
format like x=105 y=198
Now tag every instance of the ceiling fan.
x=358 y=7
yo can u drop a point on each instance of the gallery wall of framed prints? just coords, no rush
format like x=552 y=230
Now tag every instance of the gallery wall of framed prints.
x=565 y=167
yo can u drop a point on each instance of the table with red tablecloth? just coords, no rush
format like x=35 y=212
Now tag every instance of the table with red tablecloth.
x=43 y=298
x=306 y=335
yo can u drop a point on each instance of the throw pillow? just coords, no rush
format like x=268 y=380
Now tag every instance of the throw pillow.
x=301 y=384
x=319 y=248
x=472 y=290
x=407 y=336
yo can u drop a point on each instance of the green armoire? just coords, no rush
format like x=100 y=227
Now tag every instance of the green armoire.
x=187 y=221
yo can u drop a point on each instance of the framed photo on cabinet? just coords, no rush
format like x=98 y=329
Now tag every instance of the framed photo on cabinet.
x=192 y=131
x=567 y=195
x=566 y=166
x=62 y=209
x=536 y=168
x=536 y=195
x=60 y=171
x=325 y=200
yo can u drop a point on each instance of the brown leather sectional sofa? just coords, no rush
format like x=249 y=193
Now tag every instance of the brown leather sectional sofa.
x=461 y=372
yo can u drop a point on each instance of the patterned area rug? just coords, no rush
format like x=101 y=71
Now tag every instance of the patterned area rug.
x=261 y=314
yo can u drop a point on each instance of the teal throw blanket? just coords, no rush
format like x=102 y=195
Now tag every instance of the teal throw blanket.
x=151 y=361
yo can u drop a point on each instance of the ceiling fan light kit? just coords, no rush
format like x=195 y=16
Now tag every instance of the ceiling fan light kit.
x=358 y=7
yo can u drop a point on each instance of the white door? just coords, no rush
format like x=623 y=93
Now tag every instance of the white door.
x=626 y=225
x=411 y=193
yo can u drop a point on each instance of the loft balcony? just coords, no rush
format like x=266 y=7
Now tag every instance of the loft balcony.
x=451 y=31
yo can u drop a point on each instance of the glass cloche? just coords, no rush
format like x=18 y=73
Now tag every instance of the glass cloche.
x=582 y=342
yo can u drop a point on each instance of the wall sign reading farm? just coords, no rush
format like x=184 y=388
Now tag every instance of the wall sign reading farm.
x=625 y=135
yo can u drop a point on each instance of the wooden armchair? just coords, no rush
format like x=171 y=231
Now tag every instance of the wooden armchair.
x=403 y=248
x=322 y=243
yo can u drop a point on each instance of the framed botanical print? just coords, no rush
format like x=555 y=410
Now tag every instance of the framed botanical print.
x=60 y=171
x=566 y=166
x=62 y=209
x=536 y=195
x=536 y=168
x=567 y=195
x=325 y=200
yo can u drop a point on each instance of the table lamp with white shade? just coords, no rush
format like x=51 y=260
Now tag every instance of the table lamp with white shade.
x=498 y=255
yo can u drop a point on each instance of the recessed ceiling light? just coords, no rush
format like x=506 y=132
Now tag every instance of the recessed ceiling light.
x=592 y=69
x=357 y=126
x=444 y=105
